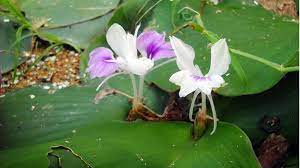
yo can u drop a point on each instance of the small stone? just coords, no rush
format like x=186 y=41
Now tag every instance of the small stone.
x=72 y=53
x=16 y=81
x=32 y=96
x=218 y=11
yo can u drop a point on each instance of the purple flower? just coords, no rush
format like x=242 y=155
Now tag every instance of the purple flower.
x=153 y=45
x=102 y=63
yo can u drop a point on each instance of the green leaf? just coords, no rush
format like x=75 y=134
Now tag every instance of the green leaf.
x=292 y=162
x=63 y=13
x=259 y=32
x=100 y=136
x=77 y=35
x=9 y=58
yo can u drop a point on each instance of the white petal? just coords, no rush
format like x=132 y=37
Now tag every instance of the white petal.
x=185 y=54
x=204 y=87
x=218 y=79
x=220 y=58
x=124 y=44
x=178 y=77
x=139 y=66
x=131 y=44
x=215 y=2
x=188 y=86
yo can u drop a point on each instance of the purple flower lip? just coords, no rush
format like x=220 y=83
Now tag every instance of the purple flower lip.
x=153 y=45
x=152 y=49
x=200 y=78
x=102 y=63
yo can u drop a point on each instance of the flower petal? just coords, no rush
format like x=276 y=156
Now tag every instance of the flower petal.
x=101 y=63
x=124 y=44
x=220 y=58
x=217 y=79
x=148 y=42
x=178 y=77
x=185 y=54
x=164 y=51
x=204 y=87
x=215 y=2
x=152 y=44
x=188 y=86
x=185 y=81
x=138 y=66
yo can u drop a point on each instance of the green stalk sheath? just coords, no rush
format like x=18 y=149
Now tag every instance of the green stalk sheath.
x=290 y=69
x=135 y=93
x=203 y=103
x=141 y=87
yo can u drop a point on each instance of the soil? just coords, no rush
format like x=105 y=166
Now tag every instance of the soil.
x=56 y=70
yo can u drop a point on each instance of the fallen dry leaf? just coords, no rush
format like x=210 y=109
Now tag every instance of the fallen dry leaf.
x=281 y=7
x=273 y=151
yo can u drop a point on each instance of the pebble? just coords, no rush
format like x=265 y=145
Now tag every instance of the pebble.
x=61 y=70
x=32 y=96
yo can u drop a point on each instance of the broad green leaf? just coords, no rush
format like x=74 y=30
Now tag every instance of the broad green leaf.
x=292 y=162
x=273 y=111
x=9 y=58
x=101 y=137
x=77 y=35
x=260 y=32
x=63 y=13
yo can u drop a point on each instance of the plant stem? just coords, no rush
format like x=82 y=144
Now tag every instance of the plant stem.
x=141 y=87
x=107 y=78
x=203 y=103
x=135 y=93
x=290 y=69
x=264 y=61
x=196 y=93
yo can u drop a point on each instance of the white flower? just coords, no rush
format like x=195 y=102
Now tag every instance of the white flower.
x=124 y=45
x=190 y=77
x=215 y=1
